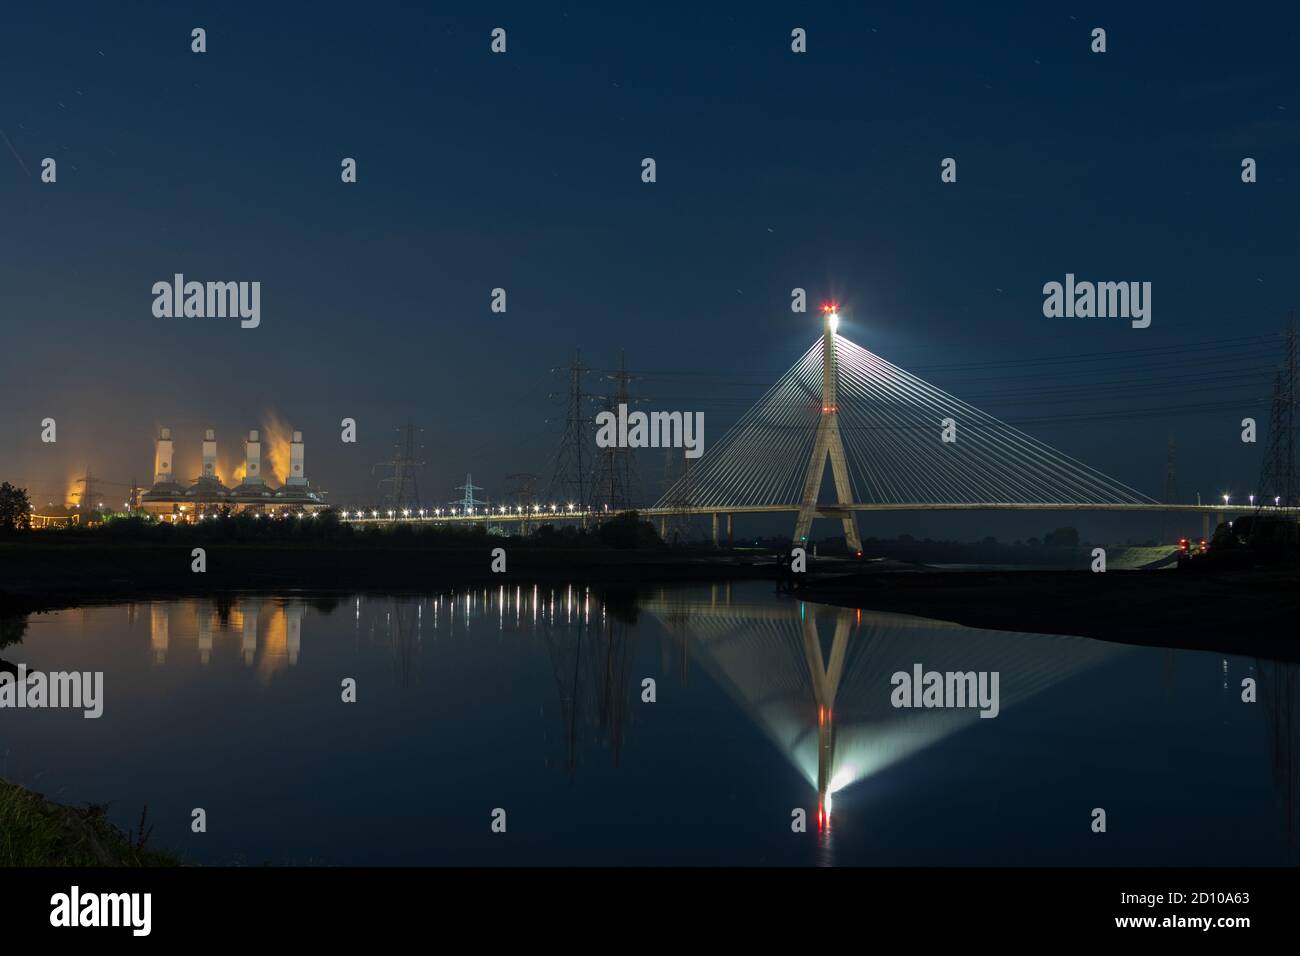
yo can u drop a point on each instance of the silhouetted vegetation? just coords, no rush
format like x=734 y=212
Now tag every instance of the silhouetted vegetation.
x=624 y=531
x=15 y=509
x=36 y=832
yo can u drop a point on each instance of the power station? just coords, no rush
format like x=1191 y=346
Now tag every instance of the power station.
x=168 y=500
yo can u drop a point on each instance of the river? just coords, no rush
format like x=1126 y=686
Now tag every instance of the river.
x=533 y=701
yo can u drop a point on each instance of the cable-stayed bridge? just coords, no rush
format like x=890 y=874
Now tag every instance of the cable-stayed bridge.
x=893 y=442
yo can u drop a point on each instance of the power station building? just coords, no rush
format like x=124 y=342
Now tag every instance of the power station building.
x=168 y=500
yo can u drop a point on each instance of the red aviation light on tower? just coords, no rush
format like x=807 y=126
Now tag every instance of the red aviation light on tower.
x=832 y=313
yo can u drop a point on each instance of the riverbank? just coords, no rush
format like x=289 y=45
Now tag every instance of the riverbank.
x=35 y=831
x=39 y=576
x=1252 y=612
x=1242 y=611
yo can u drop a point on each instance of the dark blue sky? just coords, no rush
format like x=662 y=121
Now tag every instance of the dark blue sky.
x=522 y=171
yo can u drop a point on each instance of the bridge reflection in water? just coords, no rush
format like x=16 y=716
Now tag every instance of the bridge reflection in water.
x=814 y=679
x=817 y=679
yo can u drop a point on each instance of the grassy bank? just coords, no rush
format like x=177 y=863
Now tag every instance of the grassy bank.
x=37 y=832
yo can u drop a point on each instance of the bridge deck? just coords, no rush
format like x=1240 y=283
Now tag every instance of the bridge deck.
x=826 y=511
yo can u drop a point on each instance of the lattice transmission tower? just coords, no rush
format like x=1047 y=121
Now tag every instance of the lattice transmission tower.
x=1171 y=486
x=571 y=481
x=614 y=482
x=1278 y=485
x=402 y=483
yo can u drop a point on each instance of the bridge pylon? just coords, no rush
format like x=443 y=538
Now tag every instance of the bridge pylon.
x=828 y=445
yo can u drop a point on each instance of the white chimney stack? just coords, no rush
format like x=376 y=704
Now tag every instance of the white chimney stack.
x=296 y=477
x=162 y=458
x=209 y=454
x=253 y=459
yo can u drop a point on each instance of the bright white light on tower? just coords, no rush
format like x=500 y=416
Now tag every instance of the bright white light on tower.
x=835 y=322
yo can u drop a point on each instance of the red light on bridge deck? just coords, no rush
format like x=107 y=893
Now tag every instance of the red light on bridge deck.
x=1182 y=544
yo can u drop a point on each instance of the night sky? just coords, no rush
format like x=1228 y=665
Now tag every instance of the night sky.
x=522 y=171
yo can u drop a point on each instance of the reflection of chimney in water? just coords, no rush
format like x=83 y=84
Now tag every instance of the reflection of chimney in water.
x=158 y=632
x=293 y=628
x=205 y=633
x=250 y=633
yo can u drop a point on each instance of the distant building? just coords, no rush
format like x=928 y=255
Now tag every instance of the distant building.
x=167 y=500
x=54 y=516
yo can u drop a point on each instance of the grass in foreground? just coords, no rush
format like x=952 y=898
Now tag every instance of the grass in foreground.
x=37 y=832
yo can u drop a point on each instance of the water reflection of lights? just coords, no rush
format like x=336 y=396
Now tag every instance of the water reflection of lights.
x=829 y=713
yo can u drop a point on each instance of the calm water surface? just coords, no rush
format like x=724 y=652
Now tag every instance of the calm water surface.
x=530 y=700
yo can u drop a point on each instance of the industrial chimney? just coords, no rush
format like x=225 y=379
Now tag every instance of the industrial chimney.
x=296 y=477
x=209 y=454
x=253 y=459
x=162 y=458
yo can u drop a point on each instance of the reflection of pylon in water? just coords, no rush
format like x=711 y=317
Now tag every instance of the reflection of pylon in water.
x=593 y=676
x=609 y=662
x=564 y=647
x=1278 y=693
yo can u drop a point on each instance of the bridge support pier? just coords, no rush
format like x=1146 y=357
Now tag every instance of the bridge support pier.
x=1205 y=526
x=827 y=446
x=663 y=527
x=715 y=529
x=729 y=536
